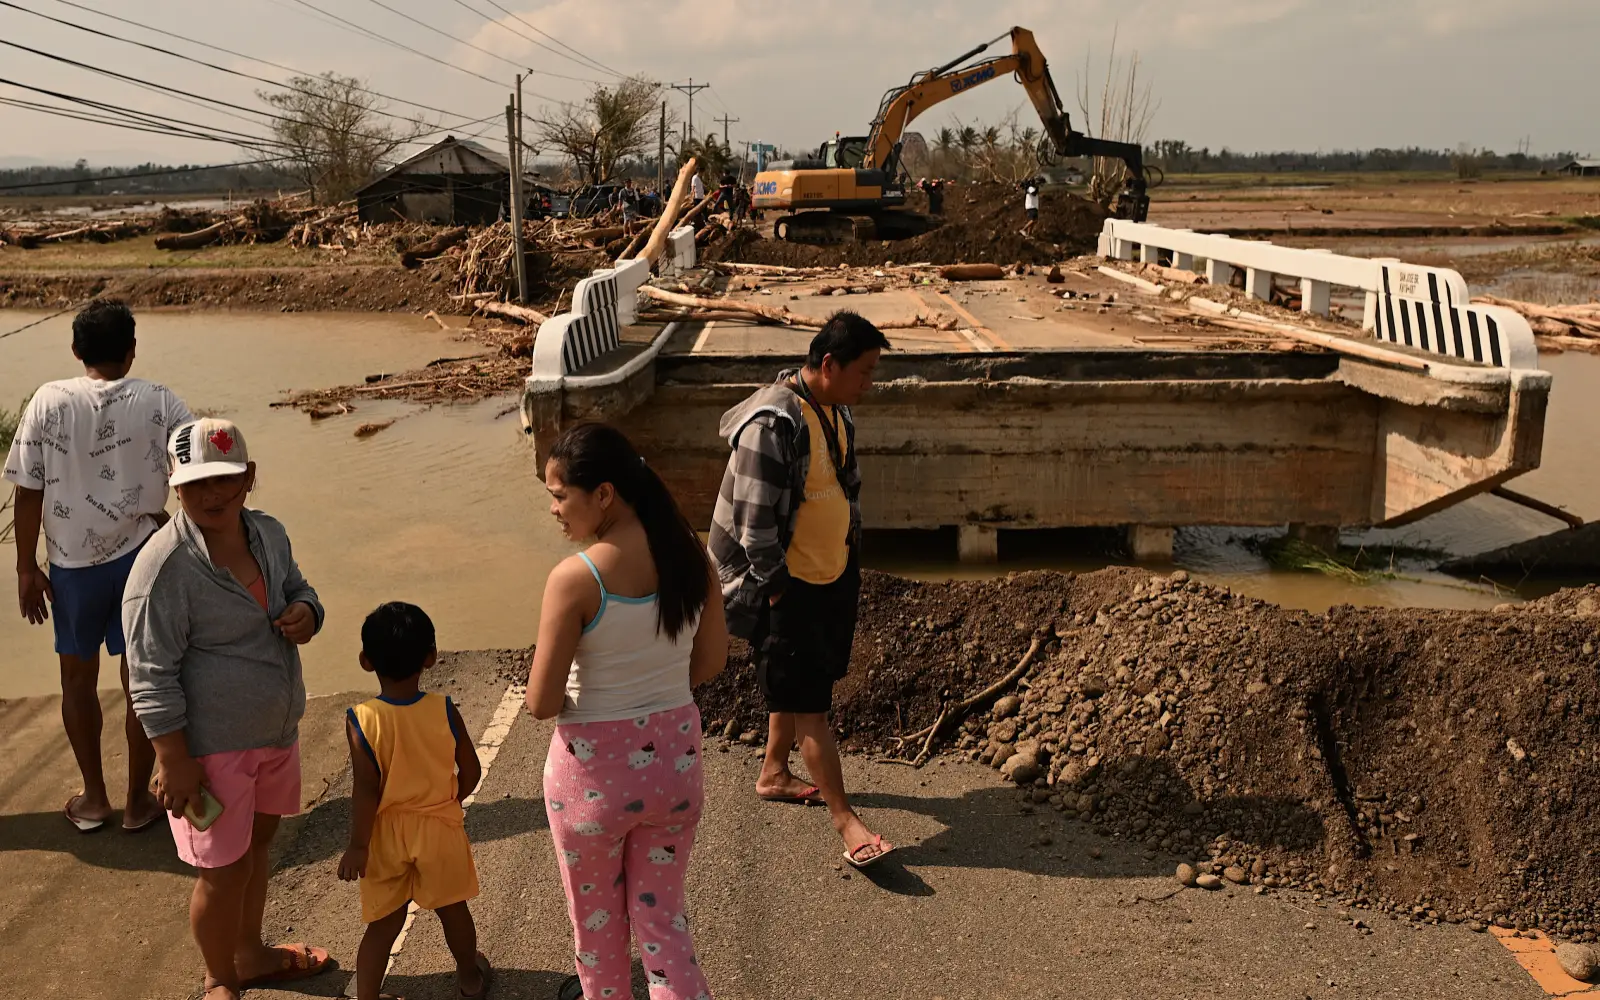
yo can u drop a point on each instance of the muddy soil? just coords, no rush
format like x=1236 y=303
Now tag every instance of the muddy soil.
x=1437 y=766
x=981 y=222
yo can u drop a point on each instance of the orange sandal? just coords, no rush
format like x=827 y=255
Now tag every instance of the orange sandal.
x=298 y=961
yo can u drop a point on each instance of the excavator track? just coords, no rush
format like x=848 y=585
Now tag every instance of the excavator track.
x=833 y=228
x=820 y=228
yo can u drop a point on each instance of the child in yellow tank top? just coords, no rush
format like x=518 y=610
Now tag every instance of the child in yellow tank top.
x=412 y=766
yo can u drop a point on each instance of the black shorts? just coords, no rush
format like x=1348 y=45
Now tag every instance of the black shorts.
x=1033 y=214
x=803 y=643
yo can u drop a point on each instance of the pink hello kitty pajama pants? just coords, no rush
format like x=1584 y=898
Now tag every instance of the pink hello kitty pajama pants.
x=623 y=800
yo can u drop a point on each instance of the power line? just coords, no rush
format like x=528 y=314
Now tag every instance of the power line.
x=531 y=40
x=352 y=26
x=130 y=177
x=254 y=59
x=479 y=48
x=595 y=62
x=153 y=121
x=199 y=62
x=209 y=100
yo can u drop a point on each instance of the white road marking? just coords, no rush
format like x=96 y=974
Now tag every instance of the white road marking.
x=700 y=341
x=494 y=736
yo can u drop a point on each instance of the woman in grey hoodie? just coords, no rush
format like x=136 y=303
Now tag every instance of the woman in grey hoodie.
x=214 y=611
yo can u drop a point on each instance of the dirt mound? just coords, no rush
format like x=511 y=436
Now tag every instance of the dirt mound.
x=982 y=222
x=1437 y=766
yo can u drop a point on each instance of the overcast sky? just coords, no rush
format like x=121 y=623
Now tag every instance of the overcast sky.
x=1247 y=74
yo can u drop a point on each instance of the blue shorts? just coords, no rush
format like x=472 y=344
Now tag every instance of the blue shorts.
x=88 y=606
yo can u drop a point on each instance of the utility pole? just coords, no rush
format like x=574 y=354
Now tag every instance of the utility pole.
x=661 y=157
x=725 y=120
x=519 y=250
x=691 y=88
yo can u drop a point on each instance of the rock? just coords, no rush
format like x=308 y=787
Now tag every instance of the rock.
x=730 y=730
x=1257 y=687
x=1086 y=803
x=1580 y=961
x=1006 y=707
x=1022 y=767
x=1186 y=875
x=1092 y=685
x=1477 y=927
x=1180 y=577
x=1208 y=881
x=1002 y=753
x=1236 y=875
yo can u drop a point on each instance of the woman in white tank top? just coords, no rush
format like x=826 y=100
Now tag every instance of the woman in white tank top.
x=628 y=628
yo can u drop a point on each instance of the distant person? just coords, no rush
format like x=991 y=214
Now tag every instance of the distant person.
x=628 y=628
x=697 y=187
x=412 y=764
x=89 y=462
x=785 y=537
x=215 y=611
x=627 y=199
x=936 y=196
x=1030 y=205
x=726 y=198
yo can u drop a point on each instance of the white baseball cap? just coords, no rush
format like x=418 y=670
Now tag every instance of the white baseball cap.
x=201 y=449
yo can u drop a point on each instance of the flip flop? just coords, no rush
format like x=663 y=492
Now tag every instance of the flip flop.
x=147 y=824
x=303 y=962
x=876 y=841
x=83 y=825
x=571 y=989
x=487 y=972
x=811 y=796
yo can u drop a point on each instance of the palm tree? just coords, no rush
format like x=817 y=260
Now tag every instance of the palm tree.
x=715 y=158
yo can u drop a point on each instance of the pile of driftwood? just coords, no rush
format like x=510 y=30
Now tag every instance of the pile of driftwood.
x=32 y=237
x=1560 y=327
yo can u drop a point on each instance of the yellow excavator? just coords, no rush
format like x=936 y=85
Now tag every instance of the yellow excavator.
x=854 y=188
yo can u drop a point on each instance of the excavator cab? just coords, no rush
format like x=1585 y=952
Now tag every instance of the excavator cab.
x=847 y=153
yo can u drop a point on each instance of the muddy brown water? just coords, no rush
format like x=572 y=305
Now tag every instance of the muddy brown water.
x=444 y=509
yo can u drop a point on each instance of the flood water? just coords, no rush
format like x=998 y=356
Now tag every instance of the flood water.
x=444 y=509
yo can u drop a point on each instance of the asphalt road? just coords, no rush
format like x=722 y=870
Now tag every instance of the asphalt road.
x=986 y=898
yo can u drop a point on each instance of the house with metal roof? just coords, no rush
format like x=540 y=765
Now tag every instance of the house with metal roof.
x=1582 y=168
x=453 y=182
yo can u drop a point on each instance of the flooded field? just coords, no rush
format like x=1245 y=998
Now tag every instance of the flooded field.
x=444 y=508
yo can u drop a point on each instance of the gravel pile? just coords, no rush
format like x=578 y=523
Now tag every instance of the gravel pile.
x=1432 y=765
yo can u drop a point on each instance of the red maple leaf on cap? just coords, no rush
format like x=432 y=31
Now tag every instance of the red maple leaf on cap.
x=223 y=441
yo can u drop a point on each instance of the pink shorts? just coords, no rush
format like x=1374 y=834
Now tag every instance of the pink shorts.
x=246 y=782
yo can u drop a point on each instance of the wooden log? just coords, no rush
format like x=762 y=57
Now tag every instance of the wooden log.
x=1340 y=345
x=633 y=248
x=776 y=314
x=657 y=242
x=430 y=248
x=972 y=272
x=1176 y=275
x=513 y=312
x=197 y=239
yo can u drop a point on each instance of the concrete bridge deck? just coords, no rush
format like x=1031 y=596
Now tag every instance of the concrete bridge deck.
x=1120 y=405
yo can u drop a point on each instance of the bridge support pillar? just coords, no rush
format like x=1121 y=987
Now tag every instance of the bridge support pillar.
x=977 y=543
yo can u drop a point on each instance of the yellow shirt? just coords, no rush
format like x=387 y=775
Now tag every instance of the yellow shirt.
x=415 y=751
x=819 y=551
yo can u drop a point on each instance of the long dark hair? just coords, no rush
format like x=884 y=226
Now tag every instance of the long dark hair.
x=592 y=454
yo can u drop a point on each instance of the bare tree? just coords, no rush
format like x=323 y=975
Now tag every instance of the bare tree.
x=610 y=125
x=714 y=159
x=331 y=125
x=1122 y=113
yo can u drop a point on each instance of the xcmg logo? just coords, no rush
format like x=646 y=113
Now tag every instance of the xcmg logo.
x=972 y=79
x=766 y=187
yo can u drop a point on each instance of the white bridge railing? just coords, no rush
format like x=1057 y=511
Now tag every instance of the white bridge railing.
x=602 y=304
x=1428 y=308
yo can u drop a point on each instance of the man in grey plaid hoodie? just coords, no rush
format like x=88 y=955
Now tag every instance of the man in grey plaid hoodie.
x=785 y=536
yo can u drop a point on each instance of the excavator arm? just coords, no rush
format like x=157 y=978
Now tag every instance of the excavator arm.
x=902 y=105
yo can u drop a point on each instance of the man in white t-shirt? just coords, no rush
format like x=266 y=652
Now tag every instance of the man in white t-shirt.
x=698 y=188
x=1030 y=204
x=89 y=462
